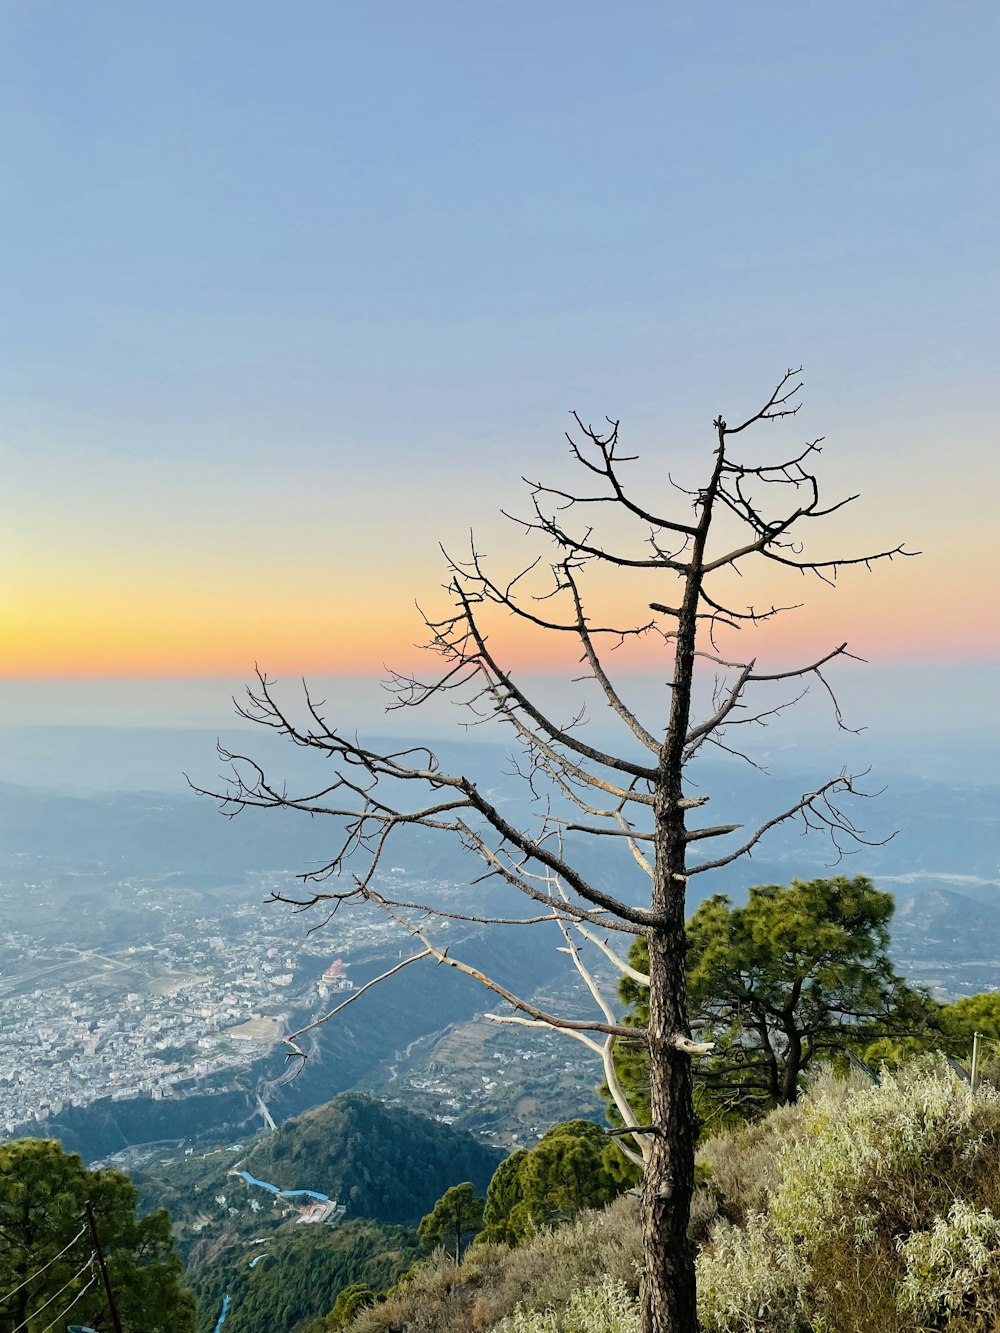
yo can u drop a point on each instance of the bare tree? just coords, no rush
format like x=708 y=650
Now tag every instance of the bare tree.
x=636 y=793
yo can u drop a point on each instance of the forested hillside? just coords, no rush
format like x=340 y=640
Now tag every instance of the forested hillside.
x=299 y=1276
x=387 y=1167
x=380 y=1161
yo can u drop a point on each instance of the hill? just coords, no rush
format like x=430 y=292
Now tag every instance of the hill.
x=256 y=1221
x=942 y=925
x=380 y=1161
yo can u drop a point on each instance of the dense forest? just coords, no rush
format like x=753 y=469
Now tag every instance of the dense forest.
x=380 y=1161
x=300 y=1275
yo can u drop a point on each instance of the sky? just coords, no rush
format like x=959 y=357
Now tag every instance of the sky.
x=289 y=295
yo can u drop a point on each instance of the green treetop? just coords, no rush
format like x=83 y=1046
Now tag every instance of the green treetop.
x=505 y=1192
x=800 y=970
x=46 y=1268
x=358 y=1296
x=563 y=1173
x=457 y=1214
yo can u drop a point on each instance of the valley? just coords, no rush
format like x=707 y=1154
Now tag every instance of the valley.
x=147 y=976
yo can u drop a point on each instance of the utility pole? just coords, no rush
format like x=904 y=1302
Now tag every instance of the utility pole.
x=975 y=1060
x=112 y=1307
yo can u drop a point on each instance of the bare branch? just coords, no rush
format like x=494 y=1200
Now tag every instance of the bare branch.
x=774 y=408
x=625 y=968
x=505 y=683
x=689 y=1047
x=315 y=899
x=292 y=1039
x=811 y=802
x=719 y=831
x=608 y=832
x=623 y=1106
x=600 y=675
x=517 y=1020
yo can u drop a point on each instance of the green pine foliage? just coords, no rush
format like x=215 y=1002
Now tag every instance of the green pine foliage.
x=302 y=1273
x=358 y=1296
x=538 y=1188
x=457 y=1215
x=799 y=973
x=43 y=1190
x=505 y=1192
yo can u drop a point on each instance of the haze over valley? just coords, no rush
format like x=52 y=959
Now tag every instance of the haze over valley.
x=146 y=980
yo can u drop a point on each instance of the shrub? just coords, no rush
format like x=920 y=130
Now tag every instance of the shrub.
x=864 y=1182
x=492 y=1280
x=951 y=1268
x=609 y=1308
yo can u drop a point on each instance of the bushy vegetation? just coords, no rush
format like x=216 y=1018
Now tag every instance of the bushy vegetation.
x=608 y=1308
x=885 y=1214
x=493 y=1281
x=861 y=1207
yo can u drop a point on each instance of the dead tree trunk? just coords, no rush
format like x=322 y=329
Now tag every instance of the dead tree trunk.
x=668 y=1289
x=669 y=1300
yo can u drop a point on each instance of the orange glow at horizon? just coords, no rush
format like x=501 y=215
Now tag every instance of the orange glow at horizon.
x=911 y=611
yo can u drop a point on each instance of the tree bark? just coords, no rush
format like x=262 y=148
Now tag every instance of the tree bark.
x=669 y=1301
x=771 y=1060
x=668 y=1291
x=793 y=1066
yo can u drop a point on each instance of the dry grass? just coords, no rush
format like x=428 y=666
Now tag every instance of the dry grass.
x=492 y=1281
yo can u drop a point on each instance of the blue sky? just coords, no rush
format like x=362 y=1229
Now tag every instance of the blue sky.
x=246 y=219
x=291 y=292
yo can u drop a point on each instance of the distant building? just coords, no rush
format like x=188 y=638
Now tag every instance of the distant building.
x=334 y=979
x=329 y=1211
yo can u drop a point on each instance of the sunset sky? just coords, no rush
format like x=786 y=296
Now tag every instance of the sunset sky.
x=291 y=293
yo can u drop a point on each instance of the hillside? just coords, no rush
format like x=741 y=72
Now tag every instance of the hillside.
x=946 y=926
x=282 y=1284
x=384 y=1167
x=862 y=1207
x=380 y=1161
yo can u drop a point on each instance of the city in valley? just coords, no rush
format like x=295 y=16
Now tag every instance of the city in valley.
x=170 y=991
x=204 y=996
